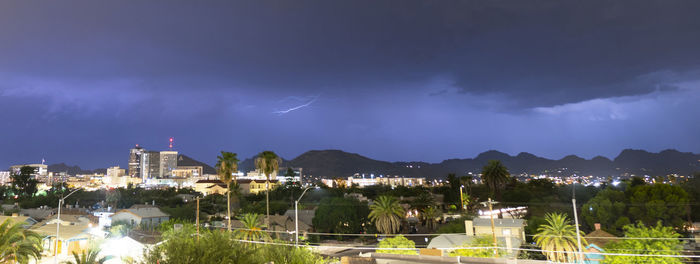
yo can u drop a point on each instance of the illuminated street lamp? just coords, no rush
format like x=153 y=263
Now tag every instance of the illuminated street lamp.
x=58 y=225
x=296 y=217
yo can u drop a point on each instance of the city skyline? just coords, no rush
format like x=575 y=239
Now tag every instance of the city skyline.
x=428 y=81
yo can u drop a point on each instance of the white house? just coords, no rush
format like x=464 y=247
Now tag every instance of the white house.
x=141 y=215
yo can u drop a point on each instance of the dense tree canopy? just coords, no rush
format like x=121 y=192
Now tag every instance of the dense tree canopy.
x=341 y=215
x=651 y=203
x=666 y=245
x=608 y=208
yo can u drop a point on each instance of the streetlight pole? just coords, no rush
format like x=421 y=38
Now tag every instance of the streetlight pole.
x=296 y=217
x=493 y=226
x=58 y=225
x=578 y=233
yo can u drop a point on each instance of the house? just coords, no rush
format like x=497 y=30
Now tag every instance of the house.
x=596 y=242
x=256 y=186
x=148 y=216
x=74 y=235
x=38 y=214
x=305 y=216
x=16 y=218
x=503 y=227
x=207 y=187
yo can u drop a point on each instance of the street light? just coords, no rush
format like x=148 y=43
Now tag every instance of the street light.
x=296 y=217
x=58 y=225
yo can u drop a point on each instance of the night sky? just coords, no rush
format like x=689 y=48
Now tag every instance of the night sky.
x=81 y=82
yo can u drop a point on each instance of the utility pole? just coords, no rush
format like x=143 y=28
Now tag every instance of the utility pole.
x=461 y=196
x=490 y=203
x=296 y=217
x=578 y=234
x=58 y=224
x=197 y=220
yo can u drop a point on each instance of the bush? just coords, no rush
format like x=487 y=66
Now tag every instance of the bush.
x=481 y=249
x=397 y=242
x=182 y=246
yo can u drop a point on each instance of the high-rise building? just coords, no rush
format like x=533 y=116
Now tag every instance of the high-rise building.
x=150 y=165
x=135 y=156
x=168 y=162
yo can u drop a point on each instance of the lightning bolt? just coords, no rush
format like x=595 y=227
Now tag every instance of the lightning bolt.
x=282 y=112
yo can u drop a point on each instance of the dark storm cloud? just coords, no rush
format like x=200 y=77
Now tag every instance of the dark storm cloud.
x=527 y=51
x=365 y=76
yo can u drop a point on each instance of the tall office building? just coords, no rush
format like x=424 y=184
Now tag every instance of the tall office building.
x=150 y=165
x=168 y=162
x=135 y=156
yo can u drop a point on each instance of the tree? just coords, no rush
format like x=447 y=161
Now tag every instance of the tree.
x=214 y=246
x=112 y=197
x=226 y=166
x=397 y=242
x=18 y=245
x=479 y=247
x=23 y=184
x=422 y=201
x=645 y=245
x=341 y=215
x=251 y=231
x=430 y=216
x=495 y=176
x=606 y=208
x=90 y=256
x=267 y=162
x=558 y=238
x=651 y=203
x=387 y=213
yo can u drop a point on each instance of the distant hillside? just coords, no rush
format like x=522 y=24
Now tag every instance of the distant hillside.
x=183 y=160
x=72 y=170
x=337 y=163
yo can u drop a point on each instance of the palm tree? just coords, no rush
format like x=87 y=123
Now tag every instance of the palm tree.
x=226 y=166
x=387 y=214
x=18 y=245
x=430 y=215
x=267 y=162
x=495 y=175
x=422 y=201
x=251 y=231
x=557 y=238
x=87 y=257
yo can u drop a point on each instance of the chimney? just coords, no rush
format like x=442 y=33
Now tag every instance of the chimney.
x=597 y=226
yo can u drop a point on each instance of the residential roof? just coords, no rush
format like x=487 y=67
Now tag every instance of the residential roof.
x=18 y=219
x=67 y=231
x=143 y=212
x=499 y=222
x=246 y=181
x=457 y=240
x=600 y=238
x=305 y=216
x=449 y=240
x=38 y=213
x=209 y=181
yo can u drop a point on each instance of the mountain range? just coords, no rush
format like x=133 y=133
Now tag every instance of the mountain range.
x=337 y=163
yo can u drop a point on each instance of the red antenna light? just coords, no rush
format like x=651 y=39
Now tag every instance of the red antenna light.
x=171 y=143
